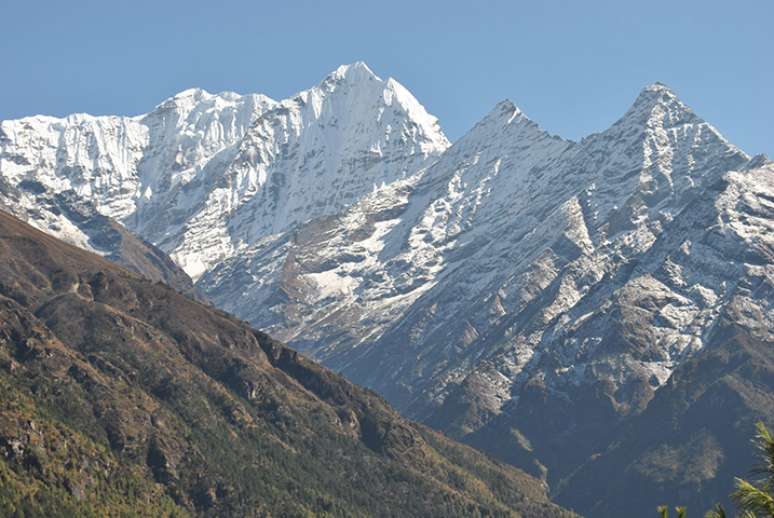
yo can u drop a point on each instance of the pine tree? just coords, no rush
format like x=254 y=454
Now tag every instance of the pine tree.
x=755 y=499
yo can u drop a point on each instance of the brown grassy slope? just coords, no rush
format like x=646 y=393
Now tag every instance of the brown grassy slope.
x=121 y=395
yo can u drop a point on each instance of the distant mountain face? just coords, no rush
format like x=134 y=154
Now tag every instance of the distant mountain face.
x=694 y=437
x=516 y=289
x=121 y=396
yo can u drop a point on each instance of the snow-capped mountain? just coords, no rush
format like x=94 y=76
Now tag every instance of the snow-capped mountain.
x=524 y=285
x=116 y=164
x=472 y=261
x=512 y=289
x=205 y=175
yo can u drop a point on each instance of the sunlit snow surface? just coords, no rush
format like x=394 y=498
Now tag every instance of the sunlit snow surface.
x=205 y=175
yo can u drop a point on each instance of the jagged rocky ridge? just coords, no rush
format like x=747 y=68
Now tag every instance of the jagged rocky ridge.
x=515 y=290
x=123 y=397
x=465 y=267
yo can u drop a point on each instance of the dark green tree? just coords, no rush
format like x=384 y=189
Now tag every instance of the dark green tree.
x=755 y=499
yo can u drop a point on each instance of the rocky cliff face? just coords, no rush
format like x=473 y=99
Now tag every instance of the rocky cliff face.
x=489 y=257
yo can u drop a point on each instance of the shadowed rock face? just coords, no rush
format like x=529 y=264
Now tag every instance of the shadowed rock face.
x=692 y=439
x=120 y=394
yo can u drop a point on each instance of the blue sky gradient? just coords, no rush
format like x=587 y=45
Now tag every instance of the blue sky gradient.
x=572 y=66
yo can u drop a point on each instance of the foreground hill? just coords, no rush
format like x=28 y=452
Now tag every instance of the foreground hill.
x=122 y=396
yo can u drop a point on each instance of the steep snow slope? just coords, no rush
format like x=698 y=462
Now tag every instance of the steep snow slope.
x=309 y=156
x=362 y=268
x=204 y=175
x=120 y=162
x=54 y=171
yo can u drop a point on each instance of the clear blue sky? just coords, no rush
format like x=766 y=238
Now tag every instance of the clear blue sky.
x=572 y=66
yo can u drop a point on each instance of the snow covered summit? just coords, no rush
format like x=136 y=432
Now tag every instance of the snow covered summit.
x=204 y=175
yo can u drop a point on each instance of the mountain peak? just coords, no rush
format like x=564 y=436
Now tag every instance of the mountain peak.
x=658 y=105
x=190 y=92
x=658 y=94
x=658 y=86
x=504 y=125
x=355 y=91
x=506 y=113
x=506 y=106
x=189 y=96
x=193 y=96
x=357 y=77
x=354 y=72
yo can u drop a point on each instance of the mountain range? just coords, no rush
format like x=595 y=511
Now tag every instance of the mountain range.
x=577 y=309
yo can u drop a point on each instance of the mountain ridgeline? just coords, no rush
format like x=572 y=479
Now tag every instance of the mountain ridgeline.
x=580 y=310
